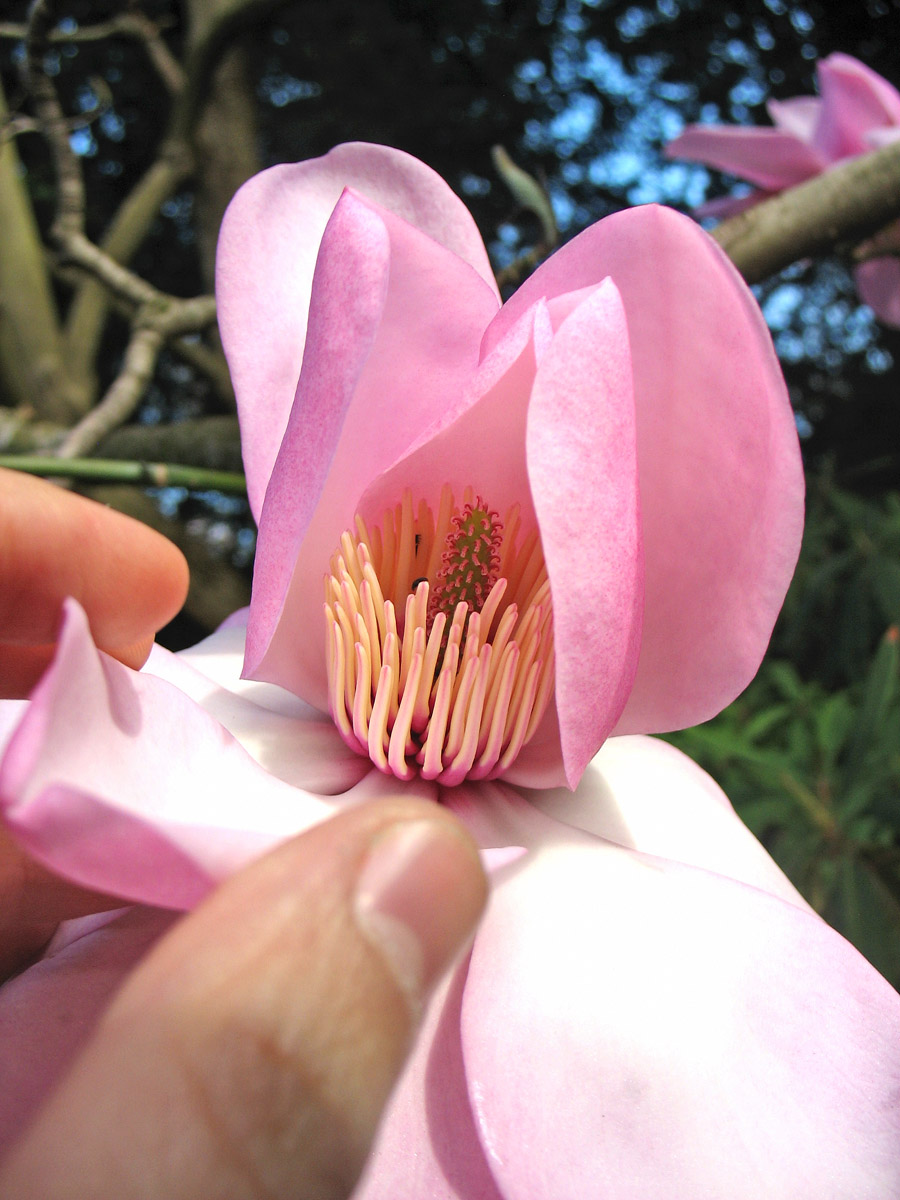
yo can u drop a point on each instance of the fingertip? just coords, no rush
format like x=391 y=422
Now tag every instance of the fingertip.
x=418 y=897
x=129 y=578
x=133 y=656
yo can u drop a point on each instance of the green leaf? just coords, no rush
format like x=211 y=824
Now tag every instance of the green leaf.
x=864 y=910
x=879 y=690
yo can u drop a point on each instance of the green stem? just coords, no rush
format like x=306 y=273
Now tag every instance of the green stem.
x=111 y=470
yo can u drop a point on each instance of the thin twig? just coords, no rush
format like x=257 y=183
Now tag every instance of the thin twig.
x=174 y=316
x=53 y=121
x=146 y=474
x=122 y=396
x=129 y=24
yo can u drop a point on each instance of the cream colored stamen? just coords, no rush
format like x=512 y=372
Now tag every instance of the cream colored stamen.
x=439 y=639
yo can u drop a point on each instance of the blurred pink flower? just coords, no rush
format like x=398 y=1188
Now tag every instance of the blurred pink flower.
x=649 y=1008
x=855 y=112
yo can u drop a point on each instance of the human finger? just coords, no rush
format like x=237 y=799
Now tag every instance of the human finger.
x=253 y=1052
x=129 y=579
x=22 y=666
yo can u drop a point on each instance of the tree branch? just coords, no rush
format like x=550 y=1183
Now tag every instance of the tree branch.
x=842 y=206
x=144 y=474
x=53 y=121
x=122 y=397
x=176 y=162
x=213 y=443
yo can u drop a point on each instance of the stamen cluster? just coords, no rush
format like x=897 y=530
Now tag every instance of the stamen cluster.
x=439 y=639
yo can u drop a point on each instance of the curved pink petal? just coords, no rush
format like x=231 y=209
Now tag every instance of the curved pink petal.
x=798 y=116
x=48 y=1012
x=292 y=741
x=122 y=783
x=878 y=284
x=641 y=1029
x=582 y=468
x=855 y=100
x=219 y=657
x=480 y=440
x=266 y=257
x=771 y=158
x=721 y=483
x=395 y=327
x=427 y=1145
x=643 y=794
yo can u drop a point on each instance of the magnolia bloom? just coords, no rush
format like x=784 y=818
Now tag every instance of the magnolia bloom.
x=855 y=112
x=489 y=538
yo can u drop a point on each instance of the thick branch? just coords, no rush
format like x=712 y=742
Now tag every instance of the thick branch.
x=213 y=443
x=31 y=358
x=210 y=442
x=842 y=206
x=230 y=18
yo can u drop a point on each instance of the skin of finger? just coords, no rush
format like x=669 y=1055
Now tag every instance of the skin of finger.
x=33 y=901
x=253 y=1052
x=22 y=666
x=53 y=543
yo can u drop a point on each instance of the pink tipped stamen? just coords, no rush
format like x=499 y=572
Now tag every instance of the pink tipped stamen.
x=439 y=646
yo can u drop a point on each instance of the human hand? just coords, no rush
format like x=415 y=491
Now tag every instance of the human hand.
x=254 y=1049
x=130 y=580
x=252 y=1052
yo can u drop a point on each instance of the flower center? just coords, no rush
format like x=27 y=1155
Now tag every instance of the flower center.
x=439 y=639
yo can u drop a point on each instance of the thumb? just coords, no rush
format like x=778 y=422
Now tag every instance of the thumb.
x=253 y=1051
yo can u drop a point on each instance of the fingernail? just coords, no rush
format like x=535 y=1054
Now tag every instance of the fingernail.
x=418 y=897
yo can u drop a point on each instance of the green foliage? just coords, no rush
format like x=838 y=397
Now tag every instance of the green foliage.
x=846 y=590
x=810 y=753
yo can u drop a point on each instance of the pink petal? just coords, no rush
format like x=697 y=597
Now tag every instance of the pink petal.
x=877 y=138
x=11 y=713
x=640 y=1029
x=729 y=206
x=219 y=658
x=721 y=483
x=855 y=100
x=292 y=741
x=428 y=1145
x=643 y=794
x=481 y=440
x=798 y=116
x=120 y=782
x=49 y=1011
x=266 y=256
x=878 y=284
x=395 y=326
x=581 y=466
x=771 y=158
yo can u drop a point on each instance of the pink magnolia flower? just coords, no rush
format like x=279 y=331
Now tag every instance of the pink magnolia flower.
x=855 y=112
x=649 y=1008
